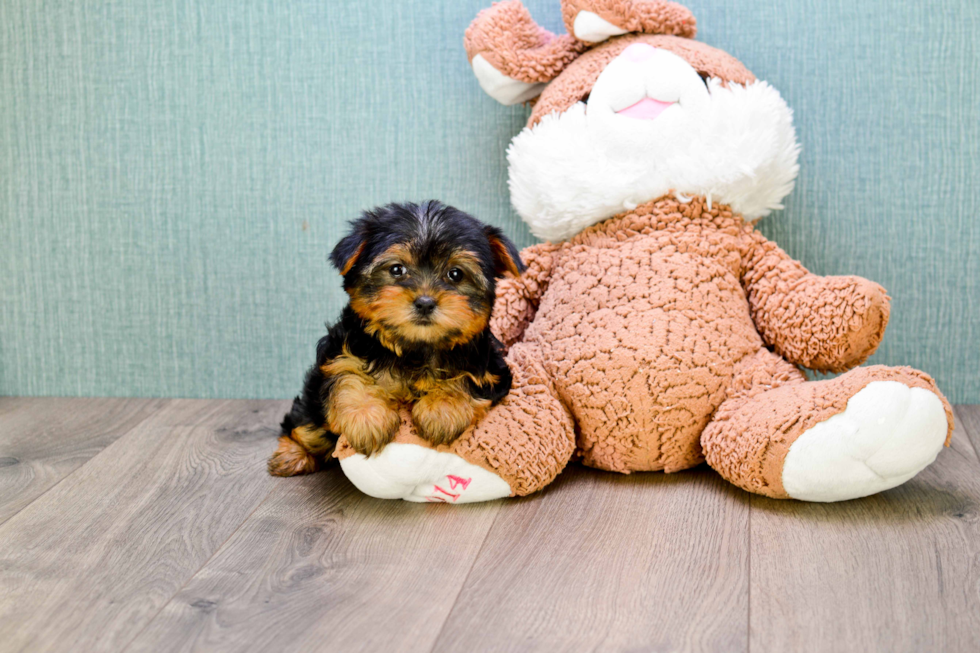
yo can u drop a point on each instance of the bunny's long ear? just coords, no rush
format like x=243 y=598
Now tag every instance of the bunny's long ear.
x=594 y=21
x=512 y=56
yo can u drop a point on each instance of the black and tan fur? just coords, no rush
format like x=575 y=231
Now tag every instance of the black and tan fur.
x=421 y=282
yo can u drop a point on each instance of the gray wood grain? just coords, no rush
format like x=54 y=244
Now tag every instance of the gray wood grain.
x=607 y=562
x=172 y=537
x=44 y=439
x=322 y=567
x=899 y=571
x=89 y=563
x=968 y=418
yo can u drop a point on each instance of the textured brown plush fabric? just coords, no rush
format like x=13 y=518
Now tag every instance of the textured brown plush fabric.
x=648 y=322
x=526 y=440
x=846 y=318
x=529 y=437
x=577 y=80
x=510 y=41
x=518 y=297
x=647 y=16
x=750 y=435
x=641 y=326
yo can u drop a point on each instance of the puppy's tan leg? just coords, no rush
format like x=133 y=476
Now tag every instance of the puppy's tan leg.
x=362 y=410
x=301 y=452
x=442 y=414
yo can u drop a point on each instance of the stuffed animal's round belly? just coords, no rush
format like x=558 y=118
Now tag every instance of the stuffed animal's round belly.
x=642 y=350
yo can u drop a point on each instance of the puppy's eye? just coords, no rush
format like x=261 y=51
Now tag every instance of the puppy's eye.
x=455 y=275
x=397 y=270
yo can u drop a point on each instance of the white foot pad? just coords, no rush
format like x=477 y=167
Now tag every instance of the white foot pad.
x=887 y=434
x=414 y=473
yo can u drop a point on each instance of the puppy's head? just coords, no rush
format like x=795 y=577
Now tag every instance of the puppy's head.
x=423 y=275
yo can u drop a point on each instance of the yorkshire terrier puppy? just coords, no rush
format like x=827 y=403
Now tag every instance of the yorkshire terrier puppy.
x=421 y=282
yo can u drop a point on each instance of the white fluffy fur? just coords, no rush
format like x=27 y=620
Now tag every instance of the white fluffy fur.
x=739 y=148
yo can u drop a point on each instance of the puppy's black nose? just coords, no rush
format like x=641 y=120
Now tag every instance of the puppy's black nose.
x=425 y=305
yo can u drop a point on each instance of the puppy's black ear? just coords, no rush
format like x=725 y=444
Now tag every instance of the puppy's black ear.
x=506 y=259
x=350 y=248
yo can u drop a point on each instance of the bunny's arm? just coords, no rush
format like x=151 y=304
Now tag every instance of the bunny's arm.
x=518 y=297
x=828 y=324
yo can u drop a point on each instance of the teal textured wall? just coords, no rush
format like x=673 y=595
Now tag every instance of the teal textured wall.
x=173 y=174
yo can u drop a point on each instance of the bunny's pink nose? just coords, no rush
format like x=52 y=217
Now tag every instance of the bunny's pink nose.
x=639 y=52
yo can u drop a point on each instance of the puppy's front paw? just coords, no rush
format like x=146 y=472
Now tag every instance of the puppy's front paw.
x=441 y=416
x=361 y=412
x=370 y=428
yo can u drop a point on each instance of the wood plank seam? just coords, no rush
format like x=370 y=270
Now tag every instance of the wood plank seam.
x=469 y=572
x=195 y=450
x=632 y=570
x=80 y=467
x=190 y=577
x=970 y=435
x=893 y=571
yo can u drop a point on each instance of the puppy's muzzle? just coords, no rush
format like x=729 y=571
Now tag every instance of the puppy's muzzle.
x=424 y=305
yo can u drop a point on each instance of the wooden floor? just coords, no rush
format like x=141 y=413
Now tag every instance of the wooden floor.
x=150 y=525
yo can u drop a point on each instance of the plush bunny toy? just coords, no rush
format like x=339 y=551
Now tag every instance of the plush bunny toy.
x=657 y=329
